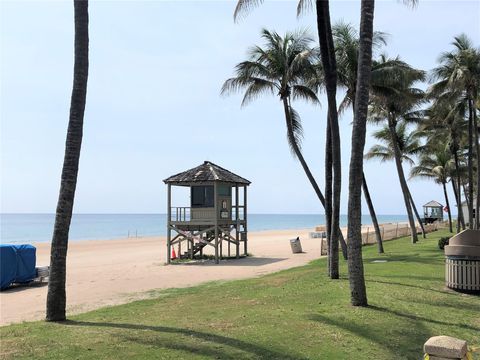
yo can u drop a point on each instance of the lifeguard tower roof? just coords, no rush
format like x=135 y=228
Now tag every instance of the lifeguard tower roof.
x=433 y=203
x=206 y=172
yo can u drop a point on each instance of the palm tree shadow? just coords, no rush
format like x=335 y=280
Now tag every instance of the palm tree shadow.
x=210 y=344
x=420 y=318
x=408 y=341
x=446 y=292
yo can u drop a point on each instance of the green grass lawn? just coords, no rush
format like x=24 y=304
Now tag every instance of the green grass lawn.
x=293 y=314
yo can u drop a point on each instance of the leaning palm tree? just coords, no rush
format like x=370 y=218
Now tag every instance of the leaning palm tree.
x=459 y=72
x=403 y=144
x=436 y=164
x=56 y=297
x=333 y=176
x=394 y=103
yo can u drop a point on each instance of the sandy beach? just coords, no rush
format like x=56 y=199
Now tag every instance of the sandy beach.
x=109 y=272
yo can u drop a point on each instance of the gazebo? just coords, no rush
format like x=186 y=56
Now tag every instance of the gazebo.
x=432 y=211
x=216 y=212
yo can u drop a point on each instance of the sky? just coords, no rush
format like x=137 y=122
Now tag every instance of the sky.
x=154 y=106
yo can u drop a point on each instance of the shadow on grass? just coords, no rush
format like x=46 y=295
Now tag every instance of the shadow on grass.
x=420 y=318
x=402 y=342
x=409 y=285
x=214 y=350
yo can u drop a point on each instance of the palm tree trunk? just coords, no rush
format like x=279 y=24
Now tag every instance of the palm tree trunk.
x=459 y=207
x=448 y=206
x=328 y=195
x=371 y=208
x=401 y=177
x=417 y=215
x=358 y=292
x=327 y=52
x=470 y=164
x=477 y=152
x=457 y=189
x=56 y=297
x=372 y=214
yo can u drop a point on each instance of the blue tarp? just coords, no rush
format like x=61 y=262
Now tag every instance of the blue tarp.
x=17 y=264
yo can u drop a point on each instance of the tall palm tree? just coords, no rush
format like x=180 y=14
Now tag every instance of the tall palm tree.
x=358 y=293
x=333 y=133
x=436 y=164
x=56 y=297
x=445 y=122
x=394 y=103
x=327 y=55
x=347 y=44
x=402 y=144
x=459 y=71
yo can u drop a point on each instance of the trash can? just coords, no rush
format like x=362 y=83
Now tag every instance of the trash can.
x=462 y=264
x=296 y=245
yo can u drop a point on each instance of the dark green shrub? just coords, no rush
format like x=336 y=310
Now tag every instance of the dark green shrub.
x=442 y=242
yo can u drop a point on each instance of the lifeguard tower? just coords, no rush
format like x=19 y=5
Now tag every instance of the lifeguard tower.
x=432 y=211
x=216 y=213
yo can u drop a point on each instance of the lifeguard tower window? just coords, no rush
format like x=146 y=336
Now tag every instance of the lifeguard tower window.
x=202 y=196
x=224 y=190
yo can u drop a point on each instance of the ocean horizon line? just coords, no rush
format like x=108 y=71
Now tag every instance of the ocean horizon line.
x=38 y=227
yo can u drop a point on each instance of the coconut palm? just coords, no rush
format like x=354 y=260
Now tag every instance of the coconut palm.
x=394 y=103
x=347 y=44
x=436 y=164
x=402 y=145
x=283 y=67
x=459 y=72
x=333 y=172
x=358 y=293
x=56 y=297
x=445 y=122
x=333 y=152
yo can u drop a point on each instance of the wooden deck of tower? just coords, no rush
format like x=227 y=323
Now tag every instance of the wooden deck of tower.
x=217 y=213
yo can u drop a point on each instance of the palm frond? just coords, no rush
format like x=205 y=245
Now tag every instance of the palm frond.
x=244 y=7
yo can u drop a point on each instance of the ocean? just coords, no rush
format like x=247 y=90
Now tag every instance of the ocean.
x=32 y=228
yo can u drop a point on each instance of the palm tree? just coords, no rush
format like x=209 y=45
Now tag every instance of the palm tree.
x=358 y=293
x=437 y=164
x=459 y=72
x=347 y=44
x=333 y=134
x=395 y=103
x=56 y=297
x=333 y=152
x=283 y=67
x=404 y=145
x=445 y=122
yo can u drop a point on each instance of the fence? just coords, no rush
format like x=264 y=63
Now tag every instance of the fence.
x=388 y=231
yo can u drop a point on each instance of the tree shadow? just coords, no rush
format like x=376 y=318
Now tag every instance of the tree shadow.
x=246 y=261
x=446 y=292
x=402 y=342
x=421 y=318
x=206 y=339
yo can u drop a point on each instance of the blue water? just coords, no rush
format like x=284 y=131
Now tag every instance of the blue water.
x=30 y=228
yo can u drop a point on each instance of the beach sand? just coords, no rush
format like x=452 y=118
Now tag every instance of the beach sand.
x=110 y=272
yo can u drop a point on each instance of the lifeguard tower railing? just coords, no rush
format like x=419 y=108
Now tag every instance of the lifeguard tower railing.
x=183 y=214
